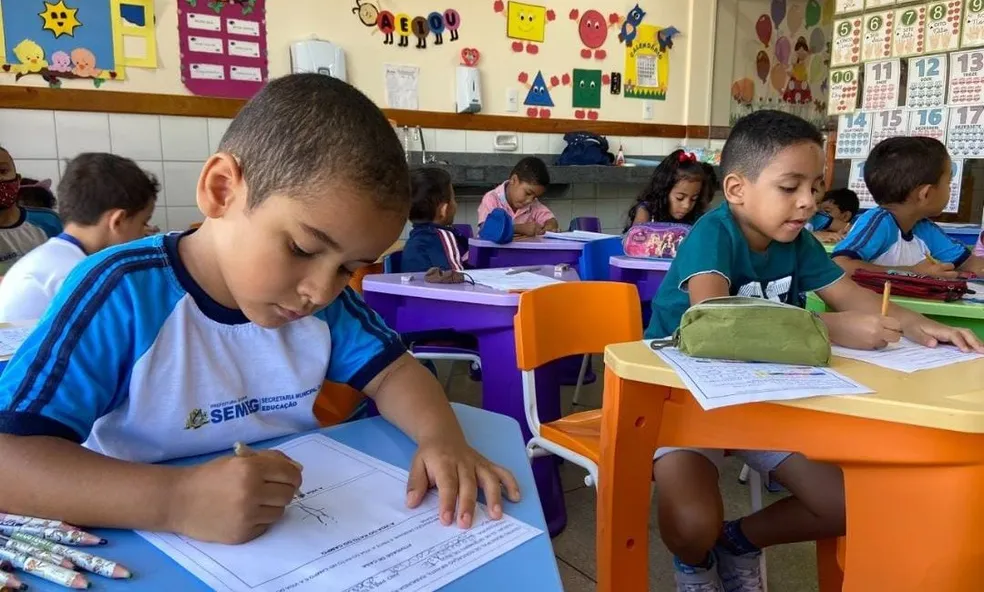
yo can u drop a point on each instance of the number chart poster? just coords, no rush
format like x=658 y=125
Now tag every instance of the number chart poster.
x=223 y=47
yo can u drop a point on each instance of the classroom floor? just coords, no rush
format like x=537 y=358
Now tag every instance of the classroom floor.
x=791 y=568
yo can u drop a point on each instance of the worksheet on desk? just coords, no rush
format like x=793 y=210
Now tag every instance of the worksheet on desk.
x=512 y=279
x=581 y=236
x=721 y=383
x=11 y=338
x=351 y=531
x=908 y=356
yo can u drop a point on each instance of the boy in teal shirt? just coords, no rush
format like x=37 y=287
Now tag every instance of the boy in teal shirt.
x=755 y=245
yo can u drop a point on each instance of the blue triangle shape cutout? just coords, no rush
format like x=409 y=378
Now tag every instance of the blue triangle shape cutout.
x=539 y=95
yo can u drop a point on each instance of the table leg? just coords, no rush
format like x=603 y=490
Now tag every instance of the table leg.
x=914 y=528
x=502 y=392
x=630 y=426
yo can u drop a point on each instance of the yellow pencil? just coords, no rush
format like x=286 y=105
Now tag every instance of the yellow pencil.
x=885 y=295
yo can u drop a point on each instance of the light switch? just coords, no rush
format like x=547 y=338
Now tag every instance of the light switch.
x=647 y=110
x=512 y=100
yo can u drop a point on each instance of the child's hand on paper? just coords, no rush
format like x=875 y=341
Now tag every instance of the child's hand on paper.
x=930 y=333
x=936 y=269
x=858 y=330
x=525 y=229
x=234 y=499
x=457 y=471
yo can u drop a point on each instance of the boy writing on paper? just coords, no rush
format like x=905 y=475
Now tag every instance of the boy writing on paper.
x=909 y=179
x=520 y=198
x=106 y=200
x=754 y=245
x=183 y=344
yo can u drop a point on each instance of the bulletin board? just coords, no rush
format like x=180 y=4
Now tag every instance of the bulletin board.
x=919 y=71
x=75 y=39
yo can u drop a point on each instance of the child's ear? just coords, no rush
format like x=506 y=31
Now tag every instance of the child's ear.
x=115 y=219
x=220 y=185
x=442 y=210
x=734 y=187
x=922 y=193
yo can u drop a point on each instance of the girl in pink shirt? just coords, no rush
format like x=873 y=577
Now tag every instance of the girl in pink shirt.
x=520 y=198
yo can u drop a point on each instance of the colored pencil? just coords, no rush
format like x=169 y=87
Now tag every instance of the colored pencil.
x=45 y=570
x=18 y=520
x=886 y=293
x=58 y=535
x=87 y=561
x=8 y=580
x=22 y=547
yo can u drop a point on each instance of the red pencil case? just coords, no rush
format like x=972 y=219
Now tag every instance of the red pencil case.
x=914 y=285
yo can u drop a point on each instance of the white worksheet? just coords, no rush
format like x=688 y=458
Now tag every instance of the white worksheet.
x=506 y=280
x=11 y=338
x=351 y=531
x=908 y=356
x=722 y=383
x=581 y=236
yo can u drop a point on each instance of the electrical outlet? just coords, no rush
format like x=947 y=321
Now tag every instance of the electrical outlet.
x=512 y=100
x=647 y=110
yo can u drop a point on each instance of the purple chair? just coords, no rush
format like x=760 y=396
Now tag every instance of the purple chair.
x=586 y=223
x=465 y=230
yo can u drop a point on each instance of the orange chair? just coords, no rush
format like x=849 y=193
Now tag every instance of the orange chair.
x=573 y=318
x=356 y=281
x=336 y=403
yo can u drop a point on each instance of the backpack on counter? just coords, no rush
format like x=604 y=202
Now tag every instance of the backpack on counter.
x=658 y=240
x=585 y=148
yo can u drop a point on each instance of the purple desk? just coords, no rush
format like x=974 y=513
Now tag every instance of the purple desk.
x=487 y=314
x=646 y=274
x=484 y=254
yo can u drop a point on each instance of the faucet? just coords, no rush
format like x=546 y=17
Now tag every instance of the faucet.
x=423 y=147
x=406 y=142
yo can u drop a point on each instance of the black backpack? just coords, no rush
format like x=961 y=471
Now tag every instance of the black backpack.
x=585 y=148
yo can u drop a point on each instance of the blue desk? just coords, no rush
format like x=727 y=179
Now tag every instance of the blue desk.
x=965 y=233
x=530 y=566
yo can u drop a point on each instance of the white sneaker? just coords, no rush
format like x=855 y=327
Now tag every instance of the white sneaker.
x=697 y=579
x=739 y=573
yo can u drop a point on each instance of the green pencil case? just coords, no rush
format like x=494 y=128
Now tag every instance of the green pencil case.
x=753 y=330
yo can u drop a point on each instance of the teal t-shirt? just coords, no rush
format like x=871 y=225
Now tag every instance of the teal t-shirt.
x=784 y=272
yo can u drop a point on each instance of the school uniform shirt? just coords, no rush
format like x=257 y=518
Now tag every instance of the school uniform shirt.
x=876 y=238
x=134 y=360
x=496 y=200
x=29 y=286
x=433 y=245
x=716 y=244
x=32 y=229
x=819 y=221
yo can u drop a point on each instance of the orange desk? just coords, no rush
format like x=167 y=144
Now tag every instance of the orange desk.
x=912 y=455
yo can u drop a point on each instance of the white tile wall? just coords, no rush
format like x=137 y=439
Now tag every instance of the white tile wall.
x=174 y=149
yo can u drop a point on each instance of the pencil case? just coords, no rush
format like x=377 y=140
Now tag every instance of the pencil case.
x=654 y=239
x=914 y=285
x=752 y=330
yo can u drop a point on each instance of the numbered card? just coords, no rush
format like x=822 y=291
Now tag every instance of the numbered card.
x=853 y=135
x=973 y=24
x=926 y=85
x=910 y=31
x=855 y=182
x=878 y=3
x=928 y=123
x=881 y=85
x=965 y=136
x=876 y=42
x=888 y=124
x=843 y=91
x=967 y=78
x=844 y=6
x=956 y=184
x=943 y=25
x=846 y=46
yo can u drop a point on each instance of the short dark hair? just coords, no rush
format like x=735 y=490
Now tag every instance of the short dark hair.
x=898 y=166
x=95 y=182
x=758 y=137
x=430 y=188
x=532 y=170
x=302 y=130
x=33 y=194
x=845 y=199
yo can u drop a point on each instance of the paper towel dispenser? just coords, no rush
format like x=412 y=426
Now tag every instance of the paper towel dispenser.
x=320 y=57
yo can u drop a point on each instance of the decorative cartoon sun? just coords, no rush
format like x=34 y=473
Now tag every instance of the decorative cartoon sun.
x=60 y=19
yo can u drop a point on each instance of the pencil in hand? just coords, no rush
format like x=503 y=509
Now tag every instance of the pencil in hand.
x=886 y=294
x=243 y=451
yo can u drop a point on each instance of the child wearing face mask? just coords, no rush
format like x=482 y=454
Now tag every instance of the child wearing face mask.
x=21 y=228
x=679 y=191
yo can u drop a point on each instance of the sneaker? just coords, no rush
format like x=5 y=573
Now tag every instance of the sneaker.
x=740 y=573
x=696 y=579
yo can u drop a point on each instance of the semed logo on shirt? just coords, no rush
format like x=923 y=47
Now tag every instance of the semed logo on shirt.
x=239 y=408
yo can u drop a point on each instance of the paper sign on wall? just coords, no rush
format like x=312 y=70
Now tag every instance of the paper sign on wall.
x=853 y=135
x=926 y=85
x=401 y=86
x=877 y=38
x=888 y=124
x=843 y=91
x=843 y=6
x=943 y=25
x=973 y=25
x=846 y=45
x=910 y=30
x=967 y=77
x=965 y=135
x=855 y=182
x=928 y=123
x=881 y=85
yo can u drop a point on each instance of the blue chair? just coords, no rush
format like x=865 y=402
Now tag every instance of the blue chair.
x=585 y=223
x=423 y=352
x=465 y=230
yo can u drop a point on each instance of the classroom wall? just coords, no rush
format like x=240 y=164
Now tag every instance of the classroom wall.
x=688 y=98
